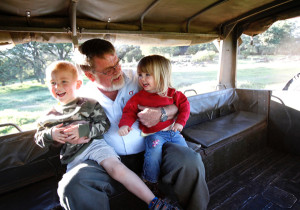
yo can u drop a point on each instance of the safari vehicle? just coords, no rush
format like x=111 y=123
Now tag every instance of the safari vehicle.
x=249 y=139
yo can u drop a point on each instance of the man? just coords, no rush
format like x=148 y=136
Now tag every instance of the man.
x=88 y=186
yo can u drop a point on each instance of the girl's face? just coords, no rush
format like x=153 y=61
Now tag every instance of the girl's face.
x=63 y=86
x=147 y=82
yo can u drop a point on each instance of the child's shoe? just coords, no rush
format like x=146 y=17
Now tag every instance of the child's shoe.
x=159 y=204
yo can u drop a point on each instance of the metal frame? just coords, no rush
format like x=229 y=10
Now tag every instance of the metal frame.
x=188 y=21
x=104 y=31
x=11 y=124
x=227 y=27
x=151 y=6
x=73 y=16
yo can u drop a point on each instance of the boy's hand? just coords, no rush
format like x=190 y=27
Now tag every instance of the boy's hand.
x=81 y=140
x=69 y=133
x=177 y=127
x=72 y=131
x=58 y=134
x=124 y=130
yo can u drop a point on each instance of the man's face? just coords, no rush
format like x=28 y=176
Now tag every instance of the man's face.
x=107 y=73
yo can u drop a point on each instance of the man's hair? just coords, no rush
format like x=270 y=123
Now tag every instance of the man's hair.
x=58 y=66
x=91 y=49
x=160 y=68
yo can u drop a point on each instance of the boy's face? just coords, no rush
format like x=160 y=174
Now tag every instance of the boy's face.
x=64 y=86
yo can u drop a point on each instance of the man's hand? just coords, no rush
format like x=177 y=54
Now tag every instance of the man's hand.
x=149 y=116
x=124 y=130
x=58 y=134
x=177 y=127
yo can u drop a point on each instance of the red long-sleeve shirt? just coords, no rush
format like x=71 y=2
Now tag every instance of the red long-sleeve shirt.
x=144 y=98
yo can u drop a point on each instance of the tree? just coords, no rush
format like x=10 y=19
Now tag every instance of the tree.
x=59 y=51
x=34 y=56
x=129 y=52
x=192 y=50
x=277 y=39
x=171 y=51
x=278 y=36
x=184 y=50
x=30 y=59
x=5 y=72
x=13 y=64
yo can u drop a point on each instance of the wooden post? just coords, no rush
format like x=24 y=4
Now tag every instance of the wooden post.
x=227 y=73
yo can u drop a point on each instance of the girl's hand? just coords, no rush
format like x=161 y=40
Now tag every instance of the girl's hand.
x=58 y=134
x=177 y=127
x=124 y=130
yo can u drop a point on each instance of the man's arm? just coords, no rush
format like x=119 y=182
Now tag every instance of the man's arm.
x=150 y=116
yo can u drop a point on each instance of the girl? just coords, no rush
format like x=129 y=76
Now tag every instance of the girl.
x=154 y=75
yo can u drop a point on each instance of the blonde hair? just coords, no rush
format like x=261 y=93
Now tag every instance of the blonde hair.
x=58 y=66
x=160 y=67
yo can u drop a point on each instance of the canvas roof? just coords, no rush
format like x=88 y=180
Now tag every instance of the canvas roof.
x=157 y=22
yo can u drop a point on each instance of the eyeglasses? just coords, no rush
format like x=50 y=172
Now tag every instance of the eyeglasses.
x=110 y=70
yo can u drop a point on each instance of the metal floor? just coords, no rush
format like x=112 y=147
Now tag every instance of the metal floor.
x=267 y=180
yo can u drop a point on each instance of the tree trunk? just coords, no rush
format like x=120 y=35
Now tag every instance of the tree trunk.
x=21 y=75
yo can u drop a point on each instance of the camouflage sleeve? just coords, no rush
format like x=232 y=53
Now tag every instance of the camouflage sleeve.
x=98 y=123
x=43 y=137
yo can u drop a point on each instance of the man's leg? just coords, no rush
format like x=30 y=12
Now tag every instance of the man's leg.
x=183 y=171
x=87 y=186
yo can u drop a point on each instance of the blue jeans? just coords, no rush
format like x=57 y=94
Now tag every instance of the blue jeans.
x=153 y=152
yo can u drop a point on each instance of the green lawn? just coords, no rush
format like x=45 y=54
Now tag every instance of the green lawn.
x=271 y=75
x=23 y=104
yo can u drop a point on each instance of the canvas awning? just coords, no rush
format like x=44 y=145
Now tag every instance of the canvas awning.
x=157 y=22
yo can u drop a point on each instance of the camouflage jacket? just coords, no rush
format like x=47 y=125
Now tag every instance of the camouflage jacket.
x=87 y=113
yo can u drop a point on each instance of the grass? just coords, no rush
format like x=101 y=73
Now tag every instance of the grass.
x=23 y=104
x=272 y=75
x=26 y=97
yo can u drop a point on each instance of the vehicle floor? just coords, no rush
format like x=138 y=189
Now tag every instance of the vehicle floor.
x=267 y=180
x=38 y=196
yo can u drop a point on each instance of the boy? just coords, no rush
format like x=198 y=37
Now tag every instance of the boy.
x=80 y=118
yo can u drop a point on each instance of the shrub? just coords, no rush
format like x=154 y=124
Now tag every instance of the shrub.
x=204 y=55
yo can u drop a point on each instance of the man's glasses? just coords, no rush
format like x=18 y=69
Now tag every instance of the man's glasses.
x=110 y=70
